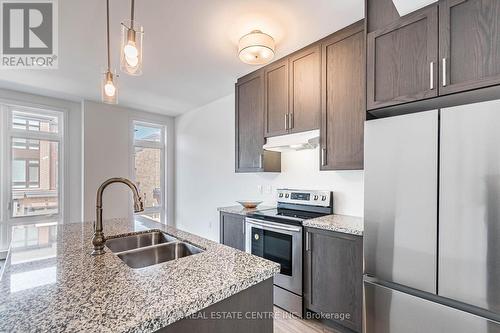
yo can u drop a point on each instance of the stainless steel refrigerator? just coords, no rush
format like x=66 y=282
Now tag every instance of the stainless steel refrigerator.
x=432 y=221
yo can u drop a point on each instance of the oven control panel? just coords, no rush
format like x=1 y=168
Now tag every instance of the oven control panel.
x=305 y=197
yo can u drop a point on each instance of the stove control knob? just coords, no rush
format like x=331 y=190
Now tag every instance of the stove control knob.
x=315 y=197
x=323 y=197
x=281 y=195
x=287 y=195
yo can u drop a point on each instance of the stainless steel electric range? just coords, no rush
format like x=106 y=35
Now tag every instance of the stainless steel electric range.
x=276 y=235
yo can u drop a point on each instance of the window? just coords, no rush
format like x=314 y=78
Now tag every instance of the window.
x=35 y=121
x=33 y=154
x=25 y=173
x=149 y=167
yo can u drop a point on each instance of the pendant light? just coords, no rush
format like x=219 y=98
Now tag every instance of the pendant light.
x=256 y=48
x=109 y=90
x=131 y=45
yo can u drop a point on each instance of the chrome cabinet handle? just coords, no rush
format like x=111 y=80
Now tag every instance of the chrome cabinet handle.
x=261 y=160
x=290 y=120
x=286 y=121
x=323 y=156
x=444 y=73
x=270 y=225
x=243 y=224
x=307 y=241
x=432 y=75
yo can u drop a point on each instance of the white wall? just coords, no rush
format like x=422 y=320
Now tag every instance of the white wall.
x=107 y=153
x=205 y=177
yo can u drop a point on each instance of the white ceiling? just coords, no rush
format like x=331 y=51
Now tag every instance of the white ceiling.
x=190 y=47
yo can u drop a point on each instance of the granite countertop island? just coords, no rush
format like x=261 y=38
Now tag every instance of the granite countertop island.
x=340 y=223
x=61 y=287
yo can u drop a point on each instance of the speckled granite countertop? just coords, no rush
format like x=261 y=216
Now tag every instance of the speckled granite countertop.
x=340 y=223
x=240 y=210
x=61 y=287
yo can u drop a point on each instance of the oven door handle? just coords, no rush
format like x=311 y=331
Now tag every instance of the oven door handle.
x=271 y=225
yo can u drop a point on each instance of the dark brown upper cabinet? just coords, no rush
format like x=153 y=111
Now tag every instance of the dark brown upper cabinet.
x=402 y=60
x=250 y=157
x=343 y=105
x=305 y=89
x=321 y=86
x=276 y=98
x=405 y=63
x=469 y=44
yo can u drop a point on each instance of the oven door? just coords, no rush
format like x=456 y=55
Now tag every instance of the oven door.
x=280 y=243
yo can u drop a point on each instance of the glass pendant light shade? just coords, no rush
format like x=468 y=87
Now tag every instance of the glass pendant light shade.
x=131 y=47
x=256 y=48
x=109 y=88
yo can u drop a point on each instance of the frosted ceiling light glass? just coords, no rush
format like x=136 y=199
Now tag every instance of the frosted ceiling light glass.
x=256 y=48
x=109 y=88
x=131 y=44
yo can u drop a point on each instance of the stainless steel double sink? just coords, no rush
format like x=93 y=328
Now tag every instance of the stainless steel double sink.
x=150 y=248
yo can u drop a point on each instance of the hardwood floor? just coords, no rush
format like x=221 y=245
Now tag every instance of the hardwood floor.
x=286 y=323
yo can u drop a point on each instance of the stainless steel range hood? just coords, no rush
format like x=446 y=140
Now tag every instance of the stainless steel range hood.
x=293 y=142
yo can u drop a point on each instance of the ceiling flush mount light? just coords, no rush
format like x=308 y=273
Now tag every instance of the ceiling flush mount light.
x=256 y=48
x=131 y=45
x=109 y=90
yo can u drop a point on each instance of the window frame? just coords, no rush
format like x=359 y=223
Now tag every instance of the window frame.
x=7 y=108
x=162 y=146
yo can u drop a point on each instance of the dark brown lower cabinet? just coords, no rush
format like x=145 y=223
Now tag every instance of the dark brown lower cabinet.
x=232 y=230
x=250 y=303
x=333 y=276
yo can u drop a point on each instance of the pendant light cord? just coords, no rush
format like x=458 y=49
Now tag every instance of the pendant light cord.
x=107 y=34
x=132 y=7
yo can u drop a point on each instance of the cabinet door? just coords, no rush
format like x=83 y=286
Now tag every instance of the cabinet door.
x=343 y=108
x=276 y=98
x=232 y=230
x=250 y=122
x=334 y=275
x=305 y=89
x=402 y=60
x=469 y=44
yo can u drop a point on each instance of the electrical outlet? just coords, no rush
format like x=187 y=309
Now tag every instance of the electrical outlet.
x=259 y=188
x=269 y=189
